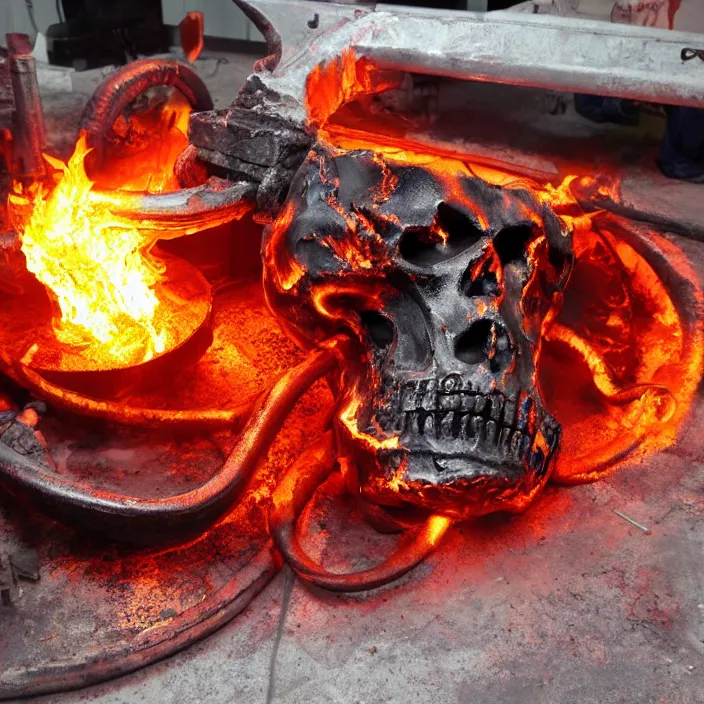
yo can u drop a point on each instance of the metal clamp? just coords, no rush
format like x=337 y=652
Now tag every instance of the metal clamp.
x=688 y=54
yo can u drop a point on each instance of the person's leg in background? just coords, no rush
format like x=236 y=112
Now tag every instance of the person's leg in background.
x=682 y=152
x=600 y=109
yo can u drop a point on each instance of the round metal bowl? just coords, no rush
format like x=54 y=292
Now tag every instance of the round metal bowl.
x=25 y=321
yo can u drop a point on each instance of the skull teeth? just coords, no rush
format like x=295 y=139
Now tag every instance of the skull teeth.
x=491 y=432
x=449 y=411
x=432 y=396
x=449 y=425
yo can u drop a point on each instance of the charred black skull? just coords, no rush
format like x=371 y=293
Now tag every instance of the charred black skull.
x=443 y=283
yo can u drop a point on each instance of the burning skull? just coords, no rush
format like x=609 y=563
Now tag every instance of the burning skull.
x=444 y=283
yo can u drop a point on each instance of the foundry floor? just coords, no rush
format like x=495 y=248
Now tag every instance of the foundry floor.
x=567 y=603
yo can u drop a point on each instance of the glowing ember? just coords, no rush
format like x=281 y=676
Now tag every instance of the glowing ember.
x=97 y=267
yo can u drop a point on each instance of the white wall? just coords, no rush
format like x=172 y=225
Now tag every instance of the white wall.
x=689 y=18
x=222 y=18
x=15 y=18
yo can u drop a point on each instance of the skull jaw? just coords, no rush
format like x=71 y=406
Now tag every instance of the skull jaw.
x=458 y=478
x=482 y=490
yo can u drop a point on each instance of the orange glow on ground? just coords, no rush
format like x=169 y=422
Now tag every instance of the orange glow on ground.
x=437 y=527
x=627 y=356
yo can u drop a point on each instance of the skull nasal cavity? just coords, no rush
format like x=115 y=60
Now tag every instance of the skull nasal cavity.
x=379 y=328
x=425 y=246
x=485 y=340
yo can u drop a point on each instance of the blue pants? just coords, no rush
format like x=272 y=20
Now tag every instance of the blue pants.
x=599 y=109
x=682 y=152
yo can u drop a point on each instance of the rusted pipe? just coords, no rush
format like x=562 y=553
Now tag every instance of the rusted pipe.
x=121 y=87
x=182 y=212
x=29 y=131
x=123 y=414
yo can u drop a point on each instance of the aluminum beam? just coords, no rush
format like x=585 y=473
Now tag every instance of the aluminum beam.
x=543 y=51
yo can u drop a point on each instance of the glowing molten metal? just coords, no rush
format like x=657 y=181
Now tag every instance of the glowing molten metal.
x=499 y=334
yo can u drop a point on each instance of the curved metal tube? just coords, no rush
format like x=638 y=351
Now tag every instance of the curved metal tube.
x=291 y=496
x=174 y=214
x=604 y=378
x=135 y=519
x=125 y=84
x=134 y=416
x=181 y=212
x=594 y=194
x=162 y=641
x=502 y=47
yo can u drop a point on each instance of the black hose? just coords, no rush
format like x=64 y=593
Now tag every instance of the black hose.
x=30 y=11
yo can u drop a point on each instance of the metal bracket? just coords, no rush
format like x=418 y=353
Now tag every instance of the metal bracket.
x=542 y=51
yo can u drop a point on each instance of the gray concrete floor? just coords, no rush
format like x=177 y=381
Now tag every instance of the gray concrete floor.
x=567 y=603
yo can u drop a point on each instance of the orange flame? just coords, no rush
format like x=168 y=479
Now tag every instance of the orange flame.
x=149 y=143
x=96 y=266
x=335 y=83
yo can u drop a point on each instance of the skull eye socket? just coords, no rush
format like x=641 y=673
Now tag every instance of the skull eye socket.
x=562 y=266
x=486 y=283
x=451 y=233
x=511 y=244
x=379 y=328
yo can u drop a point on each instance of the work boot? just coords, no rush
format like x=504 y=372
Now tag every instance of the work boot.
x=599 y=109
